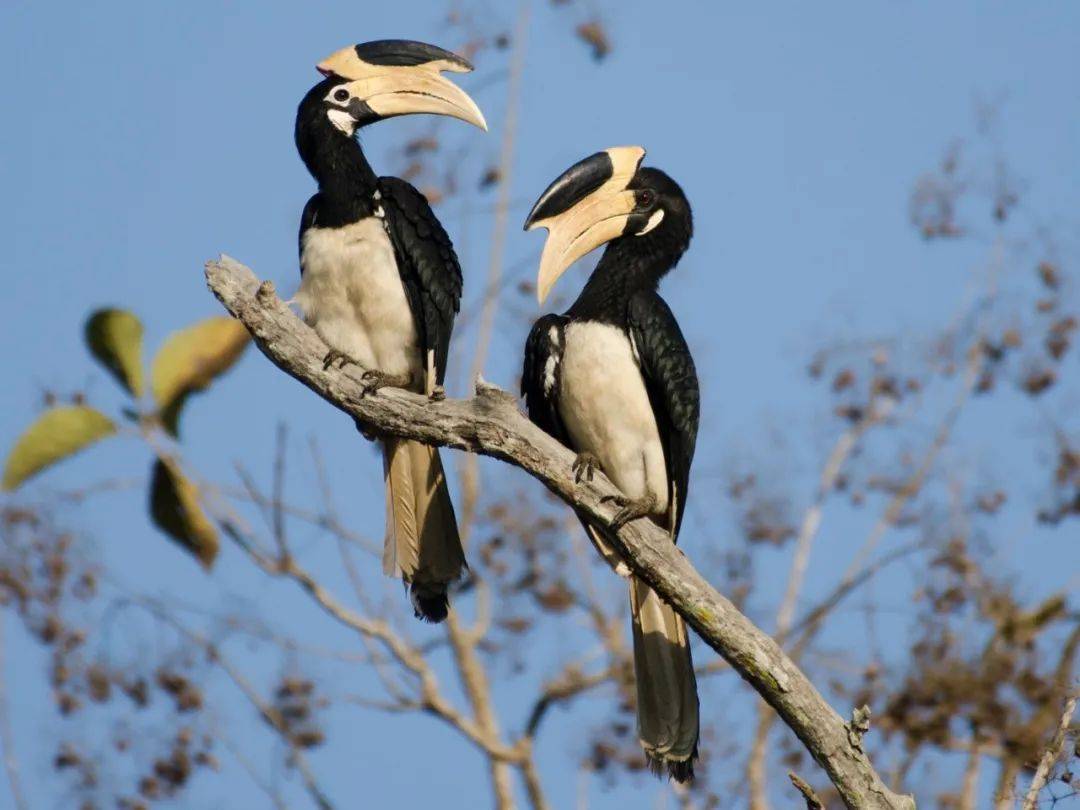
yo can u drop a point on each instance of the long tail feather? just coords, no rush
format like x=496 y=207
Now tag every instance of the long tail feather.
x=667 y=700
x=422 y=544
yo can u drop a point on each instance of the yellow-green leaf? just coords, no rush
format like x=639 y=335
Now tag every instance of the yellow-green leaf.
x=57 y=434
x=114 y=337
x=190 y=360
x=175 y=509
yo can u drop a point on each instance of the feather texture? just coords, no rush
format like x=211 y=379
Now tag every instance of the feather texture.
x=422 y=544
x=667 y=712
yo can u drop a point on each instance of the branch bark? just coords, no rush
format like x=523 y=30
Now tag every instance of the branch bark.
x=491 y=424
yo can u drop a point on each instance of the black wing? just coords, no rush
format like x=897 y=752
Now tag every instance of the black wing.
x=307 y=219
x=672 y=384
x=541 y=375
x=428 y=265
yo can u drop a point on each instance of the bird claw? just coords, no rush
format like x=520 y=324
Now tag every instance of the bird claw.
x=629 y=509
x=438 y=394
x=373 y=380
x=584 y=466
x=340 y=358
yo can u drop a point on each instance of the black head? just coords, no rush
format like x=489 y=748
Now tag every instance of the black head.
x=367 y=83
x=662 y=213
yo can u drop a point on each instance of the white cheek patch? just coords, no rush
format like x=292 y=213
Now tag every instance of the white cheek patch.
x=654 y=220
x=342 y=120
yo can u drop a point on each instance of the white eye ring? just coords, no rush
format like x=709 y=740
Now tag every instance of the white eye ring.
x=339 y=95
x=656 y=218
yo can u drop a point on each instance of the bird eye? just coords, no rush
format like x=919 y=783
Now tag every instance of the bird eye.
x=341 y=94
x=645 y=198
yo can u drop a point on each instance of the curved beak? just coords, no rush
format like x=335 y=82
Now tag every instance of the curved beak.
x=404 y=78
x=587 y=206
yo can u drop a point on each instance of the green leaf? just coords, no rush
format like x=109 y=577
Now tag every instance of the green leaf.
x=57 y=434
x=190 y=360
x=114 y=337
x=175 y=509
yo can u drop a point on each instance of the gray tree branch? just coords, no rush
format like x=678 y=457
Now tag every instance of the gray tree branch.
x=491 y=424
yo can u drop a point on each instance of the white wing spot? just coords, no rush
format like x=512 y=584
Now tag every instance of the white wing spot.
x=549 y=374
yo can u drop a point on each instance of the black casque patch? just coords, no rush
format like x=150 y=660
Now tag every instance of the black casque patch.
x=572 y=186
x=405 y=53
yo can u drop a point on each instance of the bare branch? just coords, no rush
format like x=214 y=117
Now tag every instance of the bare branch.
x=470 y=473
x=279 y=490
x=249 y=767
x=571 y=683
x=1053 y=751
x=879 y=410
x=533 y=789
x=477 y=689
x=491 y=424
x=970 y=791
x=808 y=530
x=268 y=713
x=812 y=801
x=7 y=739
x=431 y=699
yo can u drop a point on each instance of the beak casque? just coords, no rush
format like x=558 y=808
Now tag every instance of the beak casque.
x=399 y=77
x=587 y=206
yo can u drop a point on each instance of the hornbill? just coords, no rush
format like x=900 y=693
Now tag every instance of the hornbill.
x=613 y=379
x=380 y=282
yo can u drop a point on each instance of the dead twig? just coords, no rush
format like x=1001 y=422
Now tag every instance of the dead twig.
x=812 y=801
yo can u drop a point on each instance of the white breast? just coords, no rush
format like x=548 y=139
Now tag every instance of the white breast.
x=351 y=294
x=606 y=409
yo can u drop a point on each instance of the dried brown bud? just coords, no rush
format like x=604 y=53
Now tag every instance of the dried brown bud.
x=1038 y=380
x=843 y=380
x=1049 y=275
x=594 y=35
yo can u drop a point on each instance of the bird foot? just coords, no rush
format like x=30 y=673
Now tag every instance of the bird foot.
x=584 y=466
x=375 y=380
x=438 y=394
x=336 y=358
x=629 y=509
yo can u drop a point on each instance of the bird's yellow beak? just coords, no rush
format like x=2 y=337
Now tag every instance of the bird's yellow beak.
x=587 y=206
x=397 y=77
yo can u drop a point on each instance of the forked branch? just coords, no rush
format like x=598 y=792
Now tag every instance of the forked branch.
x=491 y=424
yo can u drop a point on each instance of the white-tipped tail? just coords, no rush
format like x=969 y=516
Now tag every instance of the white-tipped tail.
x=422 y=543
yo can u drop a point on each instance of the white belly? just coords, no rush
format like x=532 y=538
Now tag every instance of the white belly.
x=351 y=294
x=606 y=410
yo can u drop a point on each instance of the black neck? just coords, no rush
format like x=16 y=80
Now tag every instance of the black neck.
x=346 y=180
x=630 y=264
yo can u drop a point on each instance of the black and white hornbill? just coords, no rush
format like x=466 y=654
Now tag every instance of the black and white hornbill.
x=380 y=282
x=613 y=379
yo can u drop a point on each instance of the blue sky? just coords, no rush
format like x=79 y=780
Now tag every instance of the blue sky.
x=143 y=138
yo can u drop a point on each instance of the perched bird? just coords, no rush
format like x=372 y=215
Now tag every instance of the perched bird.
x=613 y=379
x=380 y=282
